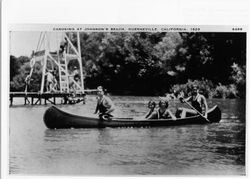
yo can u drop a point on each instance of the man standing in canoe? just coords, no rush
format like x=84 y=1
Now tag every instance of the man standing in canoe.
x=105 y=106
x=198 y=102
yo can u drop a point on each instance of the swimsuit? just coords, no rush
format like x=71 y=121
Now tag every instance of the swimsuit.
x=196 y=104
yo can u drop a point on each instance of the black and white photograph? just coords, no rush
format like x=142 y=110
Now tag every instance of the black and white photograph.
x=127 y=100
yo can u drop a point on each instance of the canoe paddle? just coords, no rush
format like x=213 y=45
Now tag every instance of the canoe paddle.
x=196 y=110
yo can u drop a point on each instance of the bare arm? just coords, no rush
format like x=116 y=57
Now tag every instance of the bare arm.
x=171 y=114
x=110 y=110
x=188 y=99
x=96 y=108
x=149 y=113
x=204 y=101
x=110 y=105
x=182 y=99
x=153 y=115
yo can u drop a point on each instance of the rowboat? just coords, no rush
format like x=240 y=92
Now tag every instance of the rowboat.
x=55 y=118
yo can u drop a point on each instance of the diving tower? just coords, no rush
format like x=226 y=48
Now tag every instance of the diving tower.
x=58 y=60
x=55 y=53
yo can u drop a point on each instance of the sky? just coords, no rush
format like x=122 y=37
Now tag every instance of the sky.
x=22 y=43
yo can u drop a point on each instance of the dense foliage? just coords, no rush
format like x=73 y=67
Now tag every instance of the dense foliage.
x=156 y=63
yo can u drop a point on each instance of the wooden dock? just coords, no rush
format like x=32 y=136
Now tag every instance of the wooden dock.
x=36 y=98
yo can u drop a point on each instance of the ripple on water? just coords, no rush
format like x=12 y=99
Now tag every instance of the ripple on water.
x=183 y=150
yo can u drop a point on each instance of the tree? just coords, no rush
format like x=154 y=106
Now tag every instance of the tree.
x=14 y=66
x=193 y=57
x=226 y=49
x=238 y=76
x=144 y=63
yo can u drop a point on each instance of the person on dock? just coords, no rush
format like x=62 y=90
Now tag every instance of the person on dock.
x=162 y=112
x=198 y=102
x=104 y=106
x=49 y=81
x=27 y=83
x=63 y=46
x=54 y=83
x=74 y=79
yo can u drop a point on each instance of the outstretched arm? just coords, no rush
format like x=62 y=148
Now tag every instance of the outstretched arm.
x=182 y=99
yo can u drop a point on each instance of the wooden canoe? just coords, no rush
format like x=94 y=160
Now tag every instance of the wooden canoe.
x=55 y=118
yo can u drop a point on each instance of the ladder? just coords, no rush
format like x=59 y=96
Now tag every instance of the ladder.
x=63 y=74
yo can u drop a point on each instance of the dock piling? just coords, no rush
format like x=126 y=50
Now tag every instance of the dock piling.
x=35 y=98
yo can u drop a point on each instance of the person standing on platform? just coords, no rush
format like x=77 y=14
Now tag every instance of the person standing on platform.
x=49 y=81
x=74 y=79
x=55 y=83
x=63 y=46
x=27 y=83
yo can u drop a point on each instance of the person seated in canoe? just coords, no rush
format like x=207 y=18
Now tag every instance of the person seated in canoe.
x=162 y=112
x=104 y=106
x=197 y=102
x=151 y=106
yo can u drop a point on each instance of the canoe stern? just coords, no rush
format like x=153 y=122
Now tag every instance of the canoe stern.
x=215 y=114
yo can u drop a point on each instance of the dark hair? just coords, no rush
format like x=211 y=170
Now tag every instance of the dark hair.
x=161 y=102
x=195 y=87
x=151 y=103
x=103 y=89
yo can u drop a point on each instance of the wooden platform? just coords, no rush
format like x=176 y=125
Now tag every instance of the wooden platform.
x=36 y=98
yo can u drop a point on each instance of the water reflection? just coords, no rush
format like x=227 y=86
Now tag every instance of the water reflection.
x=193 y=149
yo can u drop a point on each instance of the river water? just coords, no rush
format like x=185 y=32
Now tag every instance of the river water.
x=213 y=149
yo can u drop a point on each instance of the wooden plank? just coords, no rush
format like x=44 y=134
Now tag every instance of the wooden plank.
x=72 y=46
x=11 y=101
x=37 y=97
x=80 y=61
x=26 y=100
x=50 y=101
x=38 y=100
x=44 y=72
